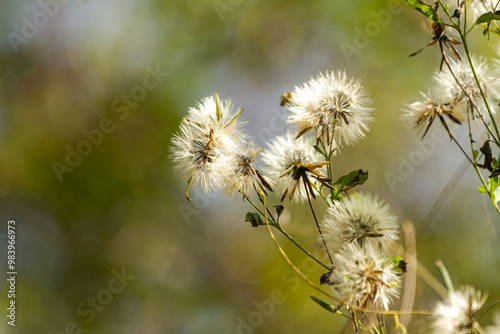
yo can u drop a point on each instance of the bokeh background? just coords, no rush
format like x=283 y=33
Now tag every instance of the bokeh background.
x=198 y=267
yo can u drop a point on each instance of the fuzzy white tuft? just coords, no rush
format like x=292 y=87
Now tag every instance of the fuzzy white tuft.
x=207 y=144
x=359 y=218
x=456 y=314
x=364 y=277
x=336 y=105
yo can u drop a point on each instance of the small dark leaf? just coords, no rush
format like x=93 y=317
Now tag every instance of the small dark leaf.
x=303 y=131
x=403 y=266
x=325 y=305
x=326 y=278
x=457 y=13
x=485 y=18
x=354 y=178
x=400 y=265
x=417 y=52
x=488 y=156
x=254 y=219
x=279 y=209
x=318 y=149
x=496 y=172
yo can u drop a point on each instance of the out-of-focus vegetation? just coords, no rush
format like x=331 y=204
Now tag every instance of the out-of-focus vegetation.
x=121 y=206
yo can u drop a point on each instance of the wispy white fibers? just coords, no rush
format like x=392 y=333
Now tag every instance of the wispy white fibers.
x=336 y=105
x=282 y=155
x=207 y=143
x=447 y=87
x=438 y=110
x=456 y=314
x=246 y=178
x=453 y=96
x=359 y=218
x=364 y=277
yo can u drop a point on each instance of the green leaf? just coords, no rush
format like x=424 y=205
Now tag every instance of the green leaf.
x=354 y=178
x=396 y=259
x=475 y=153
x=319 y=150
x=323 y=304
x=495 y=163
x=496 y=171
x=485 y=18
x=254 y=219
x=399 y=265
x=279 y=209
x=493 y=183
x=482 y=190
x=425 y=9
x=488 y=157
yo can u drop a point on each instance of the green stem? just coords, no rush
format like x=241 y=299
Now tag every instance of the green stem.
x=321 y=194
x=300 y=247
x=187 y=189
x=328 y=157
x=317 y=224
x=446 y=276
x=288 y=236
x=473 y=105
x=476 y=168
x=483 y=95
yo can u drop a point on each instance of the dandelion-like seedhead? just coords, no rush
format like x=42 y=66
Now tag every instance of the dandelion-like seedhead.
x=457 y=313
x=359 y=218
x=335 y=105
x=282 y=158
x=364 y=277
x=421 y=115
x=448 y=88
x=208 y=141
x=246 y=177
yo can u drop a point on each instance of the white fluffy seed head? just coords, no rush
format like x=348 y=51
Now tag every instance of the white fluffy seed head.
x=364 y=277
x=333 y=103
x=422 y=115
x=359 y=219
x=282 y=153
x=246 y=177
x=205 y=147
x=456 y=314
x=447 y=87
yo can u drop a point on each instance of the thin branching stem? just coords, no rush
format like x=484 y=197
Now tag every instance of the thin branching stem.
x=461 y=149
x=467 y=53
x=317 y=224
x=317 y=288
x=476 y=168
x=288 y=236
x=473 y=105
x=483 y=95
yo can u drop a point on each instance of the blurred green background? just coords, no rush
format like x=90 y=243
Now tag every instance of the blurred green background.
x=197 y=267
